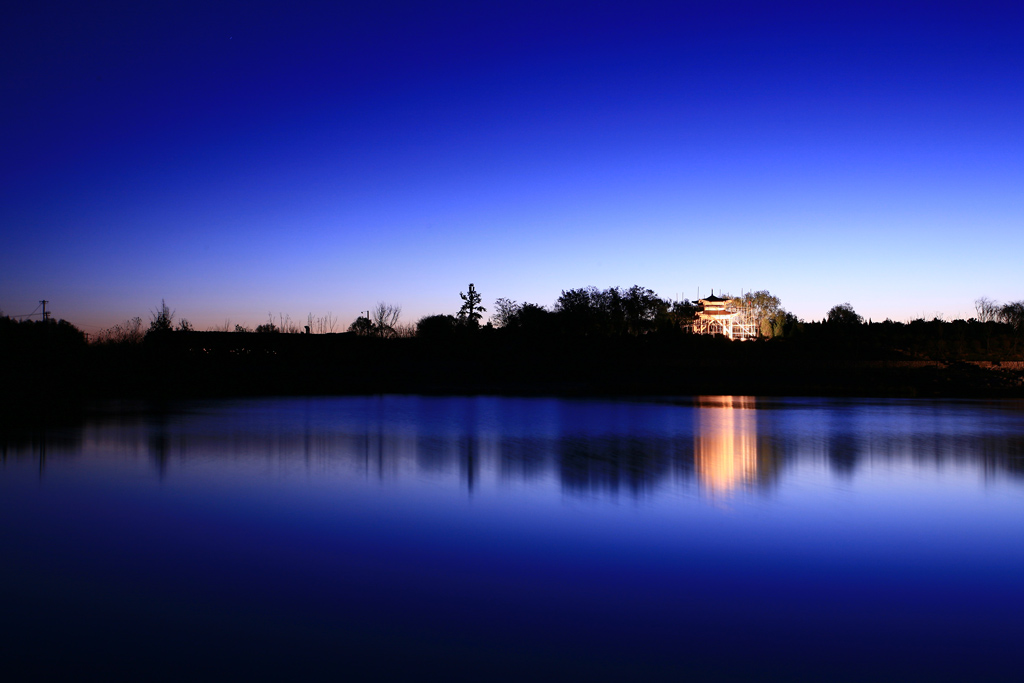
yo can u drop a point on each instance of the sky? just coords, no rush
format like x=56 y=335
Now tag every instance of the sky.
x=244 y=159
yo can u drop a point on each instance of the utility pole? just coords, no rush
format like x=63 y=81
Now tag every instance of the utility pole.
x=46 y=316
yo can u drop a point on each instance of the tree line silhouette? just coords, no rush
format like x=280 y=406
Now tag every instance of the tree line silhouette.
x=613 y=340
x=993 y=334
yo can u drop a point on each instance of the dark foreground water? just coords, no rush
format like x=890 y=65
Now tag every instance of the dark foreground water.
x=722 y=538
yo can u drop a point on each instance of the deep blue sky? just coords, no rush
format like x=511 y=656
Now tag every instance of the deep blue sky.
x=253 y=158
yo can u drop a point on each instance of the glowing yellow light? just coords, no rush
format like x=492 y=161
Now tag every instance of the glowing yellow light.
x=725 y=442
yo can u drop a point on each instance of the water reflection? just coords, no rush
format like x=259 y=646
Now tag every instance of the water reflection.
x=716 y=445
x=400 y=534
x=630 y=463
x=725 y=442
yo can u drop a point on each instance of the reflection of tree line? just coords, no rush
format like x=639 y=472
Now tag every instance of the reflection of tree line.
x=37 y=444
x=724 y=452
x=610 y=464
x=718 y=459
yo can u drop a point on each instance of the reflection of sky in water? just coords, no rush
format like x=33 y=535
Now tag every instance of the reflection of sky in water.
x=617 y=534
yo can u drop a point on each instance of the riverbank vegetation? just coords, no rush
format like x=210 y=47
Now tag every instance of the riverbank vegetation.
x=591 y=341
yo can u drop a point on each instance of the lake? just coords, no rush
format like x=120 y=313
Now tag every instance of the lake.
x=712 y=538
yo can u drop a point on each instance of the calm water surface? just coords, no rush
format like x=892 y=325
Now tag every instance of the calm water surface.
x=722 y=538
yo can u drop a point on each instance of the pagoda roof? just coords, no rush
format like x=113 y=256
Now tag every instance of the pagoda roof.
x=713 y=298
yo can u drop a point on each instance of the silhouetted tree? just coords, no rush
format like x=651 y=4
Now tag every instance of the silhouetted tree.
x=162 y=319
x=321 y=325
x=578 y=310
x=185 y=326
x=362 y=326
x=612 y=311
x=988 y=312
x=128 y=333
x=1013 y=315
x=536 y=318
x=239 y=328
x=385 y=319
x=987 y=309
x=505 y=312
x=434 y=326
x=285 y=323
x=471 y=310
x=843 y=314
x=405 y=330
x=269 y=326
x=640 y=308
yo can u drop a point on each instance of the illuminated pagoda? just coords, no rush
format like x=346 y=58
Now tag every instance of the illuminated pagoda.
x=722 y=316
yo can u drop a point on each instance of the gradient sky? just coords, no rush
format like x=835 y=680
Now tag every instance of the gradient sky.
x=253 y=157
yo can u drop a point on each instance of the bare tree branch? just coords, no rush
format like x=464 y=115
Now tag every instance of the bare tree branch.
x=385 y=318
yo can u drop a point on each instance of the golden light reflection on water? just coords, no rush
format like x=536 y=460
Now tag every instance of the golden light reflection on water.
x=725 y=443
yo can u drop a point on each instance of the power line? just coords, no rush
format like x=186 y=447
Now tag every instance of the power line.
x=47 y=315
x=28 y=315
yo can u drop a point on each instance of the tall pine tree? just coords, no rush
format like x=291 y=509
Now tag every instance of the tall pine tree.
x=471 y=309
